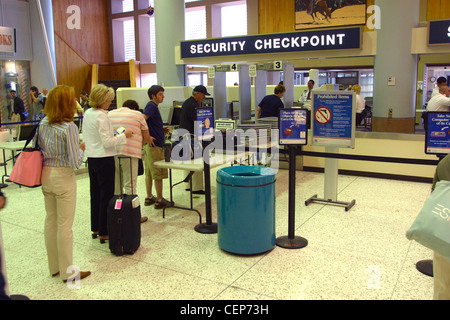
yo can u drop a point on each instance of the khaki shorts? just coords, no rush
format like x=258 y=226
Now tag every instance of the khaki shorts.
x=153 y=154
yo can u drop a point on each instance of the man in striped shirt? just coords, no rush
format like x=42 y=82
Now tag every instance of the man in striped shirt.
x=128 y=117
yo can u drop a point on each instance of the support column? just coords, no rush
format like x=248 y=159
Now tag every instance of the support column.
x=288 y=82
x=314 y=75
x=220 y=95
x=394 y=100
x=169 y=33
x=260 y=87
x=245 y=96
x=43 y=44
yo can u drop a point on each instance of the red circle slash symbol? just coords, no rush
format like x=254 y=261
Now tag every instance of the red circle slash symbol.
x=322 y=115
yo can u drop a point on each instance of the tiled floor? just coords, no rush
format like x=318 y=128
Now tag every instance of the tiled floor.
x=361 y=254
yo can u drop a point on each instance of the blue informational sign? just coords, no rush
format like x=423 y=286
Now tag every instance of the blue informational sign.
x=205 y=123
x=293 y=126
x=333 y=119
x=313 y=40
x=439 y=32
x=437 y=138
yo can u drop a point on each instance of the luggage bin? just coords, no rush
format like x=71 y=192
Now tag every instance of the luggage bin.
x=246 y=209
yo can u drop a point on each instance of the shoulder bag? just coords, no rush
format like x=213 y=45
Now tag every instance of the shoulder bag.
x=432 y=226
x=28 y=167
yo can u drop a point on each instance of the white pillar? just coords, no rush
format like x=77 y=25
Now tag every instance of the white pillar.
x=245 y=93
x=43 y=64
x=169 y=25
x=394 y=59
x=288 y=82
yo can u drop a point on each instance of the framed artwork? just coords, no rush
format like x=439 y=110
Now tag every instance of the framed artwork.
x=329 y=13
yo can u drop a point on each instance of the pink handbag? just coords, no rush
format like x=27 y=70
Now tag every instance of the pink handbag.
x=28 y=167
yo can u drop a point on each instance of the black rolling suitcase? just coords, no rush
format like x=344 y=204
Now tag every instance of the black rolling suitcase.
x=124 y=222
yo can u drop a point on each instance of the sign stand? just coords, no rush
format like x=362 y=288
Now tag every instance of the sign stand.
x=209 y=227
x=328 y=107
x=293 y=132
x=331 y=181
x=291 y=241
x=204 y=128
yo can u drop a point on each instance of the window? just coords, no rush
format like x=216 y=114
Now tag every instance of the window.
x=129 y=40
x=120 y=6
x=366 y=83
x=195 y=23
x=125 y=20
x=234 y=20
x=197 y=78
x=147 y=39
x=232 y=78
x=124 y=39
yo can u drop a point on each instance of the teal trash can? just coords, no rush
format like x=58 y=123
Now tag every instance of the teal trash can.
x=246 y=209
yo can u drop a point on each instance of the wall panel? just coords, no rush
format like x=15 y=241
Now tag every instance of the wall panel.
x=438 y=9
x=276 y=16
x=77 y=49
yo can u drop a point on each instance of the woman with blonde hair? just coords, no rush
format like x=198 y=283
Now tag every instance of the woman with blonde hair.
x=101 y=142
x=360 y=103
x=58 y=139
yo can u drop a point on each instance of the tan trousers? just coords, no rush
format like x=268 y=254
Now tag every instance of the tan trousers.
x=60 y=194
x=15 y=117
x=441 y=277
x=129 y=175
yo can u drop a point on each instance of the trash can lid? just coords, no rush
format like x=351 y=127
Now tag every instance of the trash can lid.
x=246 y=175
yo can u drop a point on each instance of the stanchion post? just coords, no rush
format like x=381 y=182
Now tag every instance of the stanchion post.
x=208 y=227
x=291 y=241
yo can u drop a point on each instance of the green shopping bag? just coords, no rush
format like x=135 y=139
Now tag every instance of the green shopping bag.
x=432 y=226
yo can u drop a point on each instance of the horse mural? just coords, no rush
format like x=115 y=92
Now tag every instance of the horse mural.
x=318 y=6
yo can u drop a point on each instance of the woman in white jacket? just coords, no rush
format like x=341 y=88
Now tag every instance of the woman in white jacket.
x=98 y=134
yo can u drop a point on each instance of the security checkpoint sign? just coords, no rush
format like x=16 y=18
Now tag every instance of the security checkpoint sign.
x=333 y=119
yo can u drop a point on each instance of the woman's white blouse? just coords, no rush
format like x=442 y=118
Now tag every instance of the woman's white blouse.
x=98 y=134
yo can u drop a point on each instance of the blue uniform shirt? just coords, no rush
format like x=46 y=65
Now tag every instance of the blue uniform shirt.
x=270 y=105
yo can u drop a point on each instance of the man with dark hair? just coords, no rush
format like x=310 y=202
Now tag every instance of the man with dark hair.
x=270 y=104
x=441 y=82
x=36 y=103
x=306 y=95
x=84 y=100
x=17 y=108
x=156 y=152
